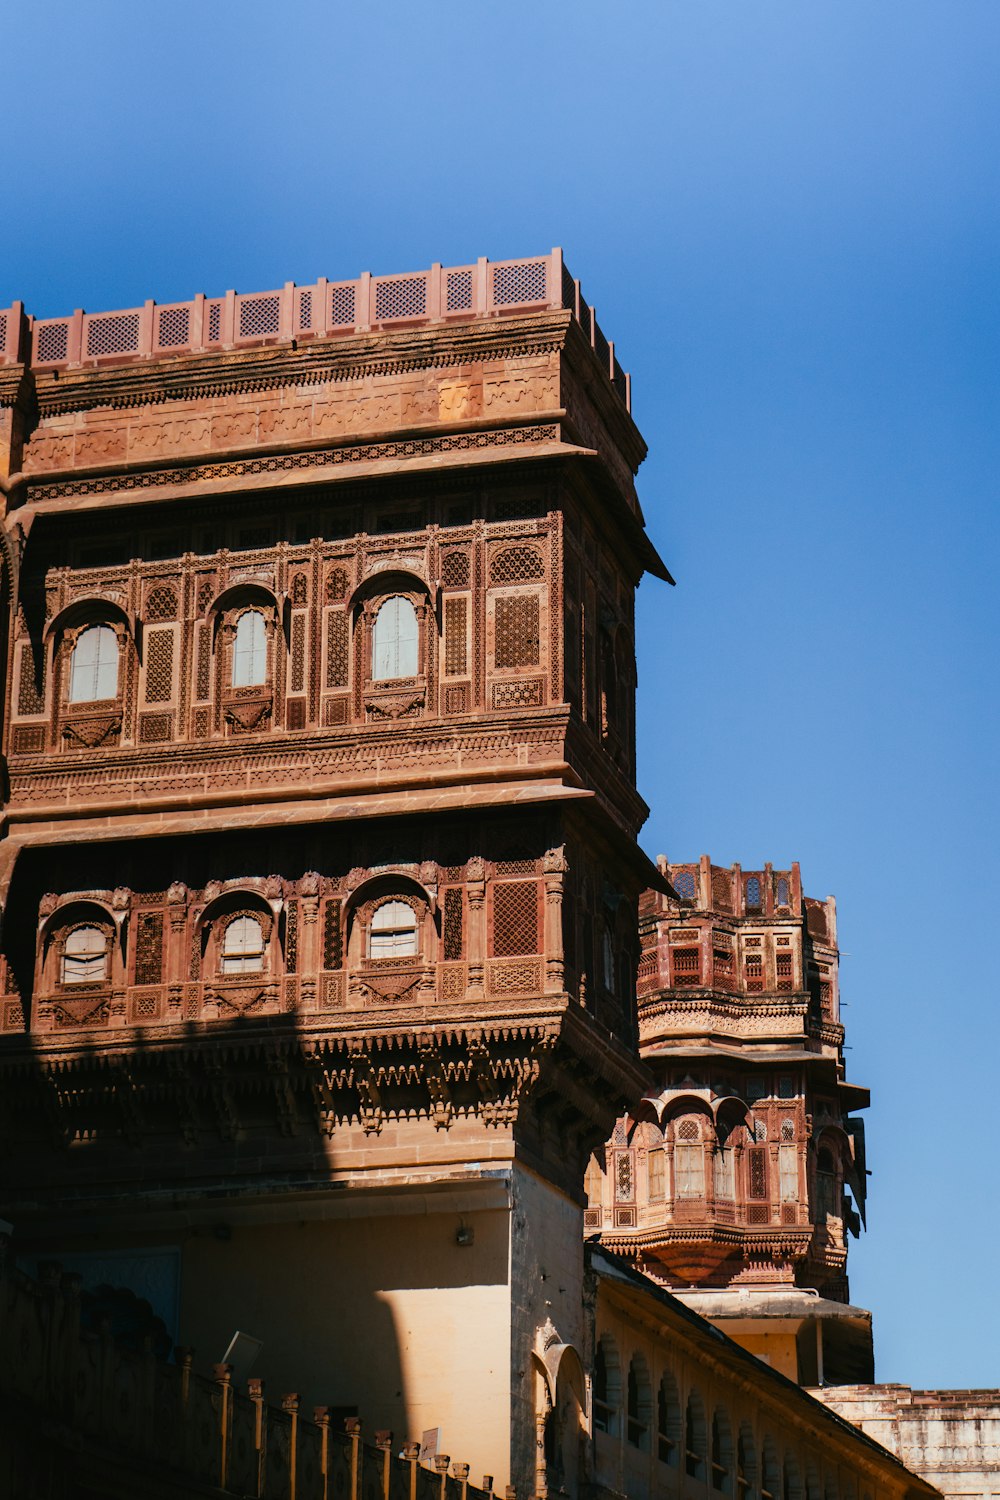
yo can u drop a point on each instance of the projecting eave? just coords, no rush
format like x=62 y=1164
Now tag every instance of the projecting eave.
x=854 y=1096
x=749 y=1305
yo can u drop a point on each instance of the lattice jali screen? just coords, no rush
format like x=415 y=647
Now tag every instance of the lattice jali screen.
x=3 y=332
x=336 y=585
x=758 y=1171
x=295 y=717
x=456 y=699
x=688 y=1130
x=160 y=666
x=30 y=691
x=754 y=972
x=173 y=327
x=203 y=656
x=514 y=979
x=402 y=298
x=161 y=603
x=214 y=322
x=260 y=316
x=722 y=890
x=516 y=641
x=527 y=692
x=788 y=1130
x=118 y=333
x=758 y=1213
x=51 y=342
x=458 y=291
x=298 y=653
x=305 y=312
x=300 y=589
x=455 y=638
x=335 y=712
x=515 y=918
x=455 y=570
x=783 y=967
x=154 y=728
x=292 y=937
x=149 y=948
x=525 y=282
x=29 y=739
x=337 y=649
x=452 y=923
x=333 y=937
x=516 y=565
x=342 y=306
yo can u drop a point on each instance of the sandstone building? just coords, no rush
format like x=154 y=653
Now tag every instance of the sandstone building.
x=321 y=919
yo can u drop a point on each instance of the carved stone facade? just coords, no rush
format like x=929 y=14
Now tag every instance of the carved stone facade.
x=744 y=1167
x=320 y=808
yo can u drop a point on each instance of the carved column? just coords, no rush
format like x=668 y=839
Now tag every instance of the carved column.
x=476 y=891
x=175 y=955
x=554 y=867
x=310 y=959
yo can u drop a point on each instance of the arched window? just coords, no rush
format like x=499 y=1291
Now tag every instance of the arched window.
x=243 y=946
x=250 y=650
x=753 y=894
x=668 y=1420
x=393 y=931
x=826 y=1184
x=782 y=896
x=689 y=1159
x=93 y=672
x=85 y=956
x=746 y=1461
x=694 y=1437
x=394 y=640
x=770 y=1473
x=722 y=1453
x=607 y=1386
x=639 y=1404
x=684 y=884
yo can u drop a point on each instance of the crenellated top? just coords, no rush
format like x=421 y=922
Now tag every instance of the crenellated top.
x=292 y=314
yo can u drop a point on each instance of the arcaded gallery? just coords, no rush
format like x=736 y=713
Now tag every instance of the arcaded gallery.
x=378 y=1119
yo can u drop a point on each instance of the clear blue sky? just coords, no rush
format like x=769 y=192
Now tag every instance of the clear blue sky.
x=786 y=212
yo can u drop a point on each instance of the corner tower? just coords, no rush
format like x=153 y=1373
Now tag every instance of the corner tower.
x=737 y=1179
x=320 y=869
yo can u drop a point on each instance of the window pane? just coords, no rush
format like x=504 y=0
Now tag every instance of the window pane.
x=85 y=956
x=394 y=640
x=250 y=650
x=243 y=947
x=689 y=1169
x=94 y=665
x=393 y=931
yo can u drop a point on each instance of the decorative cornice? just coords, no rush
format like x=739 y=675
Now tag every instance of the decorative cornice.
x=332 y=360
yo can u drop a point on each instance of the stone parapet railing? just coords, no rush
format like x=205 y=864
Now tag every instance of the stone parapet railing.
x=442 y=294
x=111 y=1410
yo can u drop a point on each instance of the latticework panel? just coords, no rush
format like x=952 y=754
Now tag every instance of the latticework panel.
x=161 y=603
x=624 y=1188
x=260 y=316
x=452 y=925
x=173 y=327
x=456 y=699
x=336 y=585
x=298 y=653
x=515 y=918
x=455 y=638
x=160 y=666
x=455 y=570
x=523 y=282
x=300 y=589
x=292 y=937
x=154 y=728
x=30 y=689
x=203 y=656
x=402 y=298
x=116 y=334
x=333 y=936
x=516 y=565
x=517 y=631
x=149 y=948
x=757 y=1157
x=337 y=649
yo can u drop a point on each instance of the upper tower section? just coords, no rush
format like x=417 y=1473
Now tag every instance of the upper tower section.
x=303 y=547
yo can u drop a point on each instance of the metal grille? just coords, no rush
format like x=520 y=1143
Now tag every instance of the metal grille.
x=149 y=948
x=300 y=589
x=342 y=306
x=305 y=311
x=455 y=570
x=117 y=334
x=298 y=653
x=517 y=630
x=758 y=1172
x=204 y=662
x=52 y=342
x=161 y=603
x=453 y=923
x=516 y=565
x=623 y=1177
x=458 y=291
x=173 y=327
x=521 y=283
x=336 y=585
x=160 y=666
x=336 y=650
x=515 y=918
x=455 y=643
x=333 y=942
x=30 y=692
x=406 y=298
x=214 y=322
x=260 y=316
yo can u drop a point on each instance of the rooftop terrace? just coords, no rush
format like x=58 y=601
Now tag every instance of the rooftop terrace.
x=296 y=314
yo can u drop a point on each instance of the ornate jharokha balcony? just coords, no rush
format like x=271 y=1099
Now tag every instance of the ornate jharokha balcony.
x=298 y=314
